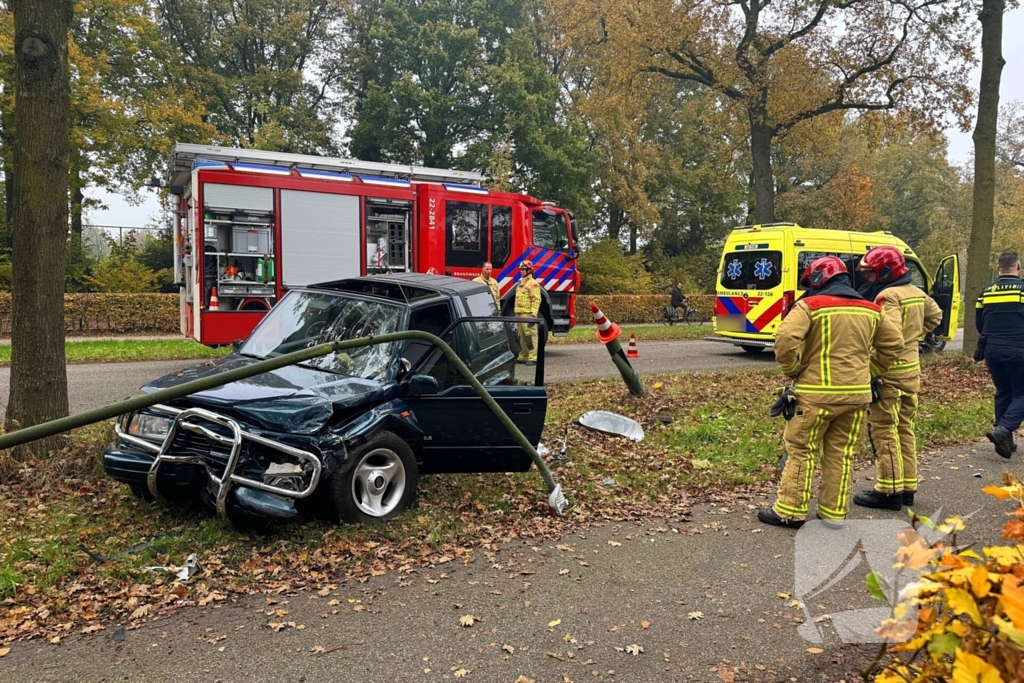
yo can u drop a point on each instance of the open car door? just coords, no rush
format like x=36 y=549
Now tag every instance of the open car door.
x=461 y=434
x=946 y=292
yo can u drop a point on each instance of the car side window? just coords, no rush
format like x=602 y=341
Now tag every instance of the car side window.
x=485 y=346
x=434 y=319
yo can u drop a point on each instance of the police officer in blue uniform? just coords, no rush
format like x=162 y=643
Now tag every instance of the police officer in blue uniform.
x=1000 y=319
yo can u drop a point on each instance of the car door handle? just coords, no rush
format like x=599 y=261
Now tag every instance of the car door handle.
x=522 y=408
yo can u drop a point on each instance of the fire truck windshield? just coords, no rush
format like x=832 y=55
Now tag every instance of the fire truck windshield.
x=549 y=230
x=303 y=319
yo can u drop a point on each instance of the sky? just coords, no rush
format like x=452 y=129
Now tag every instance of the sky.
x=119 y=212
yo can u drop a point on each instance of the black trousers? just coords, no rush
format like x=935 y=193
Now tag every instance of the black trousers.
x=1006 y=365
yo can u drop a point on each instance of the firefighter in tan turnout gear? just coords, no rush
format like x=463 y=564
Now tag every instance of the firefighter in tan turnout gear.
x=528 y=298
x=891 y=418
x=825 y=344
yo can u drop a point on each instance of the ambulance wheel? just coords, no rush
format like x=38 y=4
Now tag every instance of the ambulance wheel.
x=753 y=350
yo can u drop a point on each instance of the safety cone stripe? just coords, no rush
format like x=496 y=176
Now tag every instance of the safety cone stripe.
x=631 y=350
x=607 y=331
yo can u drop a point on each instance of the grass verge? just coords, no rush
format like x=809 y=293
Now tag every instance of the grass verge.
x=719 y=438
x=130 y=350
x=588 y=334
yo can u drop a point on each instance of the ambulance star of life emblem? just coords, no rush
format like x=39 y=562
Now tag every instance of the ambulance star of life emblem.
x=735 y=269
x=763 y=269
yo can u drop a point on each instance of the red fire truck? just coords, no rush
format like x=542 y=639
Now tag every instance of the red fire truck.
x=251 y=224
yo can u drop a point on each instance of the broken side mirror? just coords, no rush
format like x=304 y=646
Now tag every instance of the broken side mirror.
x=421 y=385
x=236 y=345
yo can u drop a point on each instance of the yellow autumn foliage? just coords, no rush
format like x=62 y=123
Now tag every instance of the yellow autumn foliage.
x=970 y=610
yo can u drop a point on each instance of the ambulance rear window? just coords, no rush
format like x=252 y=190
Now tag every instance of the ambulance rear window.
x=752 y=270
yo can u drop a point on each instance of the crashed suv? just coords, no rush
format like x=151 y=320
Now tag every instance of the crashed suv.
x=352 y=430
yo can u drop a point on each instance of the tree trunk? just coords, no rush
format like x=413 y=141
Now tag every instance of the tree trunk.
x=77 y=198
x=761 y=136
x=616 y=217
x=632 y=238
x=39 y=382
x=979 y=251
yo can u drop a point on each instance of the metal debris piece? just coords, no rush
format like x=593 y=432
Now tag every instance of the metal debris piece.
x=612 y=423
x=977 y=475
x=664 y=419
x=609 y=483
x=118 y=636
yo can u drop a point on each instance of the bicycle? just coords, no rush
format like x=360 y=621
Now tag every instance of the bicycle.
x=689 y=315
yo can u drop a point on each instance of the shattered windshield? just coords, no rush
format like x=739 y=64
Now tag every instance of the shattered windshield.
x=304 y=319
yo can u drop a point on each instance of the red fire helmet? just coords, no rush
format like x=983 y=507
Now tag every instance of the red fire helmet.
x=886 y=262
x=821 y=270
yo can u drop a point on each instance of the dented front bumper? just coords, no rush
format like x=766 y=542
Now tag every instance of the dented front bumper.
x=214 y=451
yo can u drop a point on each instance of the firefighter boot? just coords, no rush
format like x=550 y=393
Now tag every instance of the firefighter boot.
x=908 y=497
x=769 y=516
x=880 y=501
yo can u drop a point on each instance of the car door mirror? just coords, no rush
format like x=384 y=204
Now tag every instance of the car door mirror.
x=236 y=345
x=421 y=385
x=406 y=365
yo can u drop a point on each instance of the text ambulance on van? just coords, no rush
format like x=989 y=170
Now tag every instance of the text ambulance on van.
x=758 y=278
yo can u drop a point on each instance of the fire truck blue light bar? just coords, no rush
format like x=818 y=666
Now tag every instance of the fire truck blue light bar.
x=390 y=182
x=324 y=175
x=259 y=168
x=468 y=189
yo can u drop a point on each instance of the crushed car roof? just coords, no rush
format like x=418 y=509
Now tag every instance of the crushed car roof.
x=407 y=287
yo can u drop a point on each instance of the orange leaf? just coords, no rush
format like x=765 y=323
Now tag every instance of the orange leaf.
x=1012 y=599
x=1014 y=530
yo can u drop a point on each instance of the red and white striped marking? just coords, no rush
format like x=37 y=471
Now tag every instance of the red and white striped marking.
x=603 y=324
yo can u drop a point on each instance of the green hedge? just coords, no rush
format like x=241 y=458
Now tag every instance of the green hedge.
x=636 y=308
x=96 y=314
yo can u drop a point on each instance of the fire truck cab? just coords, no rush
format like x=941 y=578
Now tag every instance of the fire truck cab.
x=250 y=224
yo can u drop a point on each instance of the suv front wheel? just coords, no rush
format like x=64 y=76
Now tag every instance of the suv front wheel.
x=380 y=484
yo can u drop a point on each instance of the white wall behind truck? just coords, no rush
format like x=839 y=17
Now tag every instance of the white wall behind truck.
x=319 y=237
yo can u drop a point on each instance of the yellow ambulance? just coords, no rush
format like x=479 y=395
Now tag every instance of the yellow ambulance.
x=758 y=278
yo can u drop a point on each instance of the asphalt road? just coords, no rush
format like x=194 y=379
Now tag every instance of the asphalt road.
x=710 y=595
x=94 y=385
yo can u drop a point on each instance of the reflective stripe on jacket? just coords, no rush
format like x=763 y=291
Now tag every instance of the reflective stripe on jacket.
x=826 y=344
x=1000 y=312
x=528 y=296
x=916 y=314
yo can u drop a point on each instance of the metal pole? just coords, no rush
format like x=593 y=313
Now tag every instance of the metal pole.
x=556 y=499
x=629 y=375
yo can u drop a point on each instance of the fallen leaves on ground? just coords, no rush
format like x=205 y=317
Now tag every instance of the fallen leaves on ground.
x=694 y=616
x=55 y=506
x=468 y=620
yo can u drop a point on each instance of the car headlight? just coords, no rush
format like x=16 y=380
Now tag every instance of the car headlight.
x=147 y=426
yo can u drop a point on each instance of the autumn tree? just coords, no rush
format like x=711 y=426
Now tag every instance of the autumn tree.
x=264 y=69
x=985 y=130
x=39 y=385
x=783 y=63
x=462 y=84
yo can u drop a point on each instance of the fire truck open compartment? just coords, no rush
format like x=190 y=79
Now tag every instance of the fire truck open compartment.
x=250 y=224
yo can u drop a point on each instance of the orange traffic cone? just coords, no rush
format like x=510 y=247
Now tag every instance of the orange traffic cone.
x=214 y=303
x=606 y=330
x=631 y=350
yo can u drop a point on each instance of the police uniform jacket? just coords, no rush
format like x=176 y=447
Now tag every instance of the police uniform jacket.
x=999 y=312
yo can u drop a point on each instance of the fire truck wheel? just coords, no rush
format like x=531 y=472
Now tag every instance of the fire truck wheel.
x=751 y=349
x=380 y=484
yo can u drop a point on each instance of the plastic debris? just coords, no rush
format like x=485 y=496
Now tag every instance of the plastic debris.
x=612 y=423
x=609 y=483
x=557 y=500
x=185 y=573
x=543 y=450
